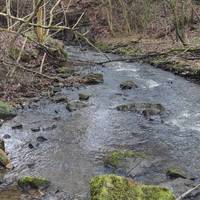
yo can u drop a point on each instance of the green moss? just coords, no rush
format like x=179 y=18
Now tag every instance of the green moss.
x=6 y=110
x=175 y=172
x=115 y=158
x=4 y=161
x=33 y=182
x=103 y=46
x=94 y=78
x=112 y=187
x=128 y=51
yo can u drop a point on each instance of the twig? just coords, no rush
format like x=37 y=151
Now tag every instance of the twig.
x=42 y=63
x=36 y=25
x=188 y=192
x=51 y=15
x=19 y=57
x=79 y=19
x=20 y=53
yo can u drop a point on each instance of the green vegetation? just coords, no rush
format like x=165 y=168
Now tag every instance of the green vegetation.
x=103 y=46
x=4 y=161
x=116 y=158
x=112 y=187
x=33 y=182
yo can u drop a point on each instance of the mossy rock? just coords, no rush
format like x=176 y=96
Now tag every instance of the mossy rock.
x=175 y=172
x=119 y=158
x=84 y=96
x=6 y=111
x=112 y=187
x=147 y=109
x=75 y=105
x=28 y=182
x=93 y=78
x=57 y=49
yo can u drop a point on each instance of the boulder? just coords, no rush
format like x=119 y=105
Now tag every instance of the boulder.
x=93 y=78
x=6 y=111
x=30 y=182
x=75 y=105
x=56 y=49
x=127 y=85
x=112 y=187
x=147 y=109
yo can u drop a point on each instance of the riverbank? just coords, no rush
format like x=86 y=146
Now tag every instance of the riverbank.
x=161 y=53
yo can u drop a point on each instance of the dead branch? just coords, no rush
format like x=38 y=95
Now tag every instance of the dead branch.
x=188 y=192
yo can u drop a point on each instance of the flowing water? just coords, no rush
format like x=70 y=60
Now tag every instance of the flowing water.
x=78 y=141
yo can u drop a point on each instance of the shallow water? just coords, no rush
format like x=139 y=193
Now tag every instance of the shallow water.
x=75 y=149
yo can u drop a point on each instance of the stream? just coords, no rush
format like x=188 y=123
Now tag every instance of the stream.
x=77 y=142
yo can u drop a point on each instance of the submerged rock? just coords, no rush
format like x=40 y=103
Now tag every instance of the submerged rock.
x=49 y=128
x=6 y=136
x=146 y=109
x=41 y=139
x=112 y=187
x=75 y=105
x=84 y=97
x=36 y=129
x=6 y=111
x=29 y=182
x=128 y=85
x=17 y=126
x=94 y=78
x=30 y=146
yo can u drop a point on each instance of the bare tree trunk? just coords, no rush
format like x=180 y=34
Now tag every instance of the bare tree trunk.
x=41 y=19
x=181 y=13
x=8 y=5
